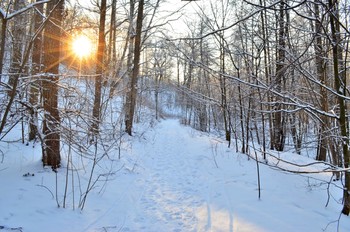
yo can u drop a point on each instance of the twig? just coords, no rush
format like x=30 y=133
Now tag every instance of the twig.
x=58 y=204
x=328 y=192
x=40 y=185
x=214 y=153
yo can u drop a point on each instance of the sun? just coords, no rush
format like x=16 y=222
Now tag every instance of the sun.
x=82 y=46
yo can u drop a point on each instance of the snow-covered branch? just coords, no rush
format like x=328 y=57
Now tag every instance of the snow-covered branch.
x=7 y=16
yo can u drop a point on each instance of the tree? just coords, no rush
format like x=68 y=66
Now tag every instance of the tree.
x=340 y=86
x=18 y=33
x=51 y=61
x=130 y=102
x=4 y=20
x=13 y=92
x=96 y=112
x=321 y=69
x=279 y=131
x=111 y=54
x=36 y=68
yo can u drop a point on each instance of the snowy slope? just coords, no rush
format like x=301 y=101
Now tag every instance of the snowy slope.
x=170 y=178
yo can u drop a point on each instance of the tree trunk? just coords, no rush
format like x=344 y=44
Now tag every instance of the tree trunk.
x=2 y=45
x=116 y=73
x=202 y=108
x=96 y=112
x=278 y=119
x=132 y=91
x=340 y=86
x=34 y=85
x=51 y=60
x=18 y=34
x=223 y=91
x=267 y=73
x=112 y=35
x=320 y=57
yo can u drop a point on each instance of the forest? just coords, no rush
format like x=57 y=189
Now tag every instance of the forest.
x=268 y=77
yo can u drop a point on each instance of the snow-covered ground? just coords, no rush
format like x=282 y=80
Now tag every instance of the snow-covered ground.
x=170 y=178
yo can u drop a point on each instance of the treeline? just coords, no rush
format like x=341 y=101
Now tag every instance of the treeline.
x=272 y=73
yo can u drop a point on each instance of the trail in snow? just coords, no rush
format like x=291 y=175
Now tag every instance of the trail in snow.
x=182 y=189
x=173 y=179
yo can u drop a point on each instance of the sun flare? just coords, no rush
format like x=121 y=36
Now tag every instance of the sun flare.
x=82 y=46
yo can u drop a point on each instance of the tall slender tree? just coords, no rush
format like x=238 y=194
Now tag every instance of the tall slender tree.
x=51 y=61
x=96 y=112
x=111 y=54
x=320 y=59
x=278 y=117
x=36 y=68
x=130 y=102
x=4 y=21
x=340 y=86
x=18 y=33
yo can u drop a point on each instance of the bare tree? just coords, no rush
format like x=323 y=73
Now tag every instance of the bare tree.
x=18 y=35
x=4 y=21
x=96 y=113
x=340 y=86
x=13 y=91
x=51 y=61
x=279 y=130
x=130 y=102
x=36 y=68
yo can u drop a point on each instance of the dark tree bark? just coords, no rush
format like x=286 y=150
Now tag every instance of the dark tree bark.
x=51 y=61
x=188 y=81
x=320 y=60
x=223 y=91
x=36 y=68
x=2 y=44
x=340 y=86
x=279 y=118
x=203 y=83
x=267 y=74
x=111 y=54
x=130 y=103
x=96 y=113
x=128 y=43
x=18 y=33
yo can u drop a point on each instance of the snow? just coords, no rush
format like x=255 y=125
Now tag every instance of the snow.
x=169 y=178
x=6 y=16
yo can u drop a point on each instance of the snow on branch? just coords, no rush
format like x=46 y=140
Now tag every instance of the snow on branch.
x=7 y=16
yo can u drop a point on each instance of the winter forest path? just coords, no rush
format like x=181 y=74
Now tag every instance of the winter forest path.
x=170 y=178
x=182 y=189
x=174 y=181
x=182 y=180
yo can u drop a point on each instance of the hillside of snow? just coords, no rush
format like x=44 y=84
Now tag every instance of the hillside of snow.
x=169 y=178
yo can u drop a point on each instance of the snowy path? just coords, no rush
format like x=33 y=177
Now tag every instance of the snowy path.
x=179 y=187
x=173 y=179
x=171 y=189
